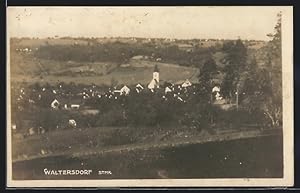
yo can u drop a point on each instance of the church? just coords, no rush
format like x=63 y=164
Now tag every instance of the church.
x=154 y=83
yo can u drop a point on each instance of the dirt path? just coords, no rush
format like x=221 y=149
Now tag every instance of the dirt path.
x=172 y=142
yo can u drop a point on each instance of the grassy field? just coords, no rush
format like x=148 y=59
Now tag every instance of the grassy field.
x=26 y=68
x=88 y=141
x=79 y=139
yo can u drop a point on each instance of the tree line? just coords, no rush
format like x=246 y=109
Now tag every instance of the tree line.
x=120 y=52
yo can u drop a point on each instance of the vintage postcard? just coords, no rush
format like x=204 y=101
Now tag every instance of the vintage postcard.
x=154 y=96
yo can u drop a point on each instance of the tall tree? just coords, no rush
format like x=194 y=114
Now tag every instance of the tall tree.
x=207 y=73
x=235 y=60
x=274 y=60
x=248 y=77
x=267 y=96
x=273 y=107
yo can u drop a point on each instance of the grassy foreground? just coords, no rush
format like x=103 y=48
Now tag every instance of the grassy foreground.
x=90 y=141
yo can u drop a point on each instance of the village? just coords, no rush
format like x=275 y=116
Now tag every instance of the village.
x=86 y=98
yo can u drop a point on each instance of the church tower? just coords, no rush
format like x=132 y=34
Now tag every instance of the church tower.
x=155 y=80
x=156 y=74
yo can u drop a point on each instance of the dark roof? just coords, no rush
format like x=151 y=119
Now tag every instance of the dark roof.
x=156 y=68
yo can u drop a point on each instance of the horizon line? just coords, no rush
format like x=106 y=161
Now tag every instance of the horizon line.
x=120 y=37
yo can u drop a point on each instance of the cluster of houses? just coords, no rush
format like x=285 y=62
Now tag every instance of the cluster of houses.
x=25 y=49
x=73 y=101
x=62 y=99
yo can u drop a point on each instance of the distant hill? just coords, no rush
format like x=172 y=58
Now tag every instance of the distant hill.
x=31 y=70
x=27 y=65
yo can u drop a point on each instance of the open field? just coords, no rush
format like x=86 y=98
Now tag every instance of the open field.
x=25 y=67
x=98 y=72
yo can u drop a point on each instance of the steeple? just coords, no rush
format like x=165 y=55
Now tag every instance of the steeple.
x=155 y=80
x=156 y=75
x=156 y=68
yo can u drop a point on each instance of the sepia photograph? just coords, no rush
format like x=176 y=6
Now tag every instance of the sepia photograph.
x=150 y=96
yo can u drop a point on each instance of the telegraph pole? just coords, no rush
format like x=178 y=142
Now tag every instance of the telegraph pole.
x=237 y=97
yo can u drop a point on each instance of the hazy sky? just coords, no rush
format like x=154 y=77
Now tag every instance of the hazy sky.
x=166 y=22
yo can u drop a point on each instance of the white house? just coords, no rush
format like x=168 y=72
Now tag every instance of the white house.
x=31 y=101
x=186 y=83
x=124 y=90
x=216 y=89
x=55 y=104
x=72 y=123
x=75 y=106
x=179 y=98
x=216 y=92
x=167 y=89
x=139 y=57
x=66 y=106
x=218 y=96
x=139 y=88
x=31 y=131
